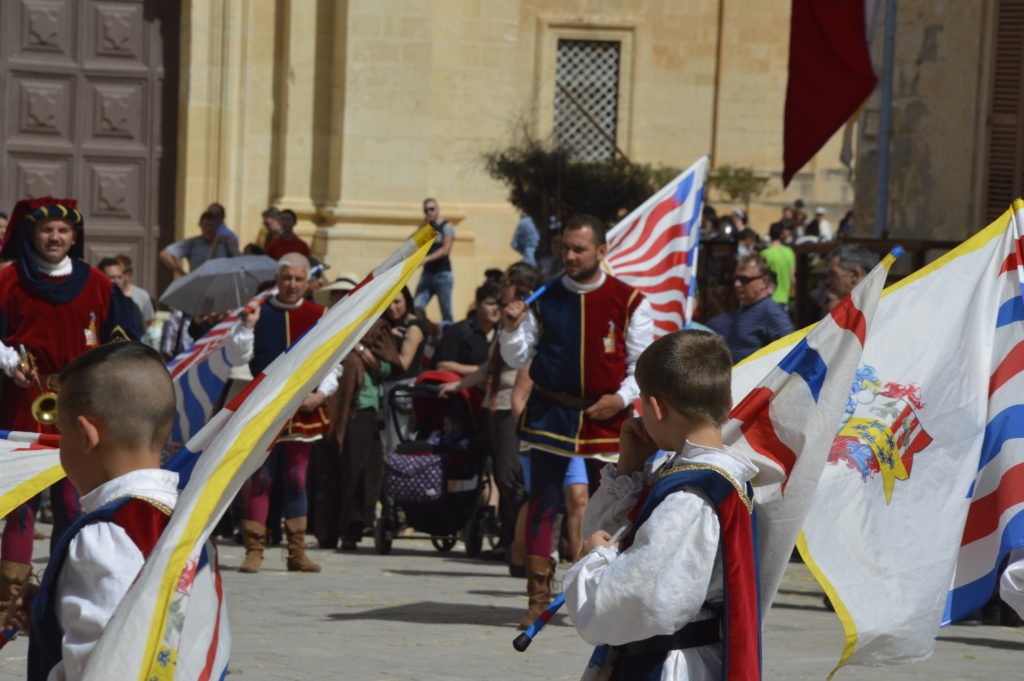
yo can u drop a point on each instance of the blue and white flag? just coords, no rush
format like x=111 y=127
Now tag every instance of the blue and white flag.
x=200 y=374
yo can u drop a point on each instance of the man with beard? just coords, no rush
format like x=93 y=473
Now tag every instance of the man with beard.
x=584 y=335
x=56 y=306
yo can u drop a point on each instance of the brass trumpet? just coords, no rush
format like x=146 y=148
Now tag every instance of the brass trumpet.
x=44 y=407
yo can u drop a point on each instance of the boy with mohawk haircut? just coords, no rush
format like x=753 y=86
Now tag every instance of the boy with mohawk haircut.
x=115 y=409
x=676 y=598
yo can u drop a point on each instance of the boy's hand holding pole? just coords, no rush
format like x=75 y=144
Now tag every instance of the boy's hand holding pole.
x=515 y=313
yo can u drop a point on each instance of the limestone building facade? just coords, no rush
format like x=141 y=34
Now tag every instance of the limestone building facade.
x=351 y=112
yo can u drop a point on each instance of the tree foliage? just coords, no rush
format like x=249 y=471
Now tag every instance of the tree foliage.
x=545 y=181
x=737 y=183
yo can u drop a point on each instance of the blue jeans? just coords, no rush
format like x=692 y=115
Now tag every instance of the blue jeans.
x=435 y=284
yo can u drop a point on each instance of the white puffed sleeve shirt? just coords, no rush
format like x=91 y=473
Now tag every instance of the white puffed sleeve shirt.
x=660 y=583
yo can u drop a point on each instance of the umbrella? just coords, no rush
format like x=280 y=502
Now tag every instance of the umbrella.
x=220 y=284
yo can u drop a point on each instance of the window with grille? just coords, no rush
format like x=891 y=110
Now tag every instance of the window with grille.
x=587 y=97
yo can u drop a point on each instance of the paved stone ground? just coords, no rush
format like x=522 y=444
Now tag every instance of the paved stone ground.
x=418 y=614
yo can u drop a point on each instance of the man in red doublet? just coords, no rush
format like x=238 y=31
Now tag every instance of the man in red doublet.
x=264 y=334
x=56 y=306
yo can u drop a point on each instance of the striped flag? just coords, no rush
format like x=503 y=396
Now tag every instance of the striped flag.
x=29 y=463
x=921 y=496
x=654 y=248
x=200 y=373
x=142 y=640
x=792 y=414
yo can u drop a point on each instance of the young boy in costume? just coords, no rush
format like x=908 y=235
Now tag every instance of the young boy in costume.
x=115 y=408
x=677 y=597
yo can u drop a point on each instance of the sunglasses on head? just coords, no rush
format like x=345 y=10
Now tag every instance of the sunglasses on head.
x=744 y=279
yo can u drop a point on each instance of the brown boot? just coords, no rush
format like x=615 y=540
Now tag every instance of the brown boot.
x=13 y=576
x=540 y=570
x=298 y=561
x=254 y=538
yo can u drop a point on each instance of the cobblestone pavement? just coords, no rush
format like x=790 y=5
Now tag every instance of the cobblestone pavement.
x=420 y=614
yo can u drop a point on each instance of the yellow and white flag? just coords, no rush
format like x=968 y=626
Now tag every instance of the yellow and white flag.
x=922 y=491
x=143 y=637
x=29 y=463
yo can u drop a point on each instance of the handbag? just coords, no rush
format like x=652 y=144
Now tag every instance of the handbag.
x=414 y=478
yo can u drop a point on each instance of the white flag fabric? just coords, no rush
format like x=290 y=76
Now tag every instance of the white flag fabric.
x=29 y=463
x=922 y=494
x=791 y=416
x=142 y=639
x=654 y=248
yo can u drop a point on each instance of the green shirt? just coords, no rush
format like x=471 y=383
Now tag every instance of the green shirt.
x=782 y=261
x=368 y=396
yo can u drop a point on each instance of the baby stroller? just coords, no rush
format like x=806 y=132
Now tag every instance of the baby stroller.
x=433 y=481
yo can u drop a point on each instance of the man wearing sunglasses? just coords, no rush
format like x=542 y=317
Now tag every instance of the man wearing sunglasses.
x=437 y=279
x=757 y=320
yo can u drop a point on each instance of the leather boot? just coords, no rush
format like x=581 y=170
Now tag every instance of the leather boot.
x=298 y=561
x=13 y=576
x=254 y=538
x=540 y=570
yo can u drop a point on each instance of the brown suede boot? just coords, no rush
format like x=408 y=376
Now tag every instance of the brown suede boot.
x=298 y=561
x=13 y=576
x=254 y=538
x=540 y=570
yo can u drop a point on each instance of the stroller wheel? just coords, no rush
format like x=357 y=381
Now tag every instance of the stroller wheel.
x=443 y=544
x=383 y=529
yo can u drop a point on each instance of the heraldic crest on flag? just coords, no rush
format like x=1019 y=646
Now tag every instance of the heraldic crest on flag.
x=880 y=431
x=922 y=497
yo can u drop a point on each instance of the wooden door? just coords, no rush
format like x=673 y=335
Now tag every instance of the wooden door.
x=88 y=90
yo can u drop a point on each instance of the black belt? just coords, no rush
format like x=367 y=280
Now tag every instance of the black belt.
x=565 y=399
x=693 y=635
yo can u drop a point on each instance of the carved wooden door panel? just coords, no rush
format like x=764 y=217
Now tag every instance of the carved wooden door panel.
x=83 y=102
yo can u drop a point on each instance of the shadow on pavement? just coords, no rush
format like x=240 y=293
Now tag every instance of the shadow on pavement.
x=497 y=593
x=432 y=612
x=986 y=642
x=441 y=573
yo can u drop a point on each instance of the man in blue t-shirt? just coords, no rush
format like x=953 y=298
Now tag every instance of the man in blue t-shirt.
x=437 y=279
x=758 y=320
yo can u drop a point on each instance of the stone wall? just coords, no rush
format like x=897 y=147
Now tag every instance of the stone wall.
x=940 y=95
x=351 y=112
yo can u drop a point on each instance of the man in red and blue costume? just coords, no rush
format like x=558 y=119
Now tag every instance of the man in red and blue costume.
x=258 y=339
x=57 y=307
x=583 y=334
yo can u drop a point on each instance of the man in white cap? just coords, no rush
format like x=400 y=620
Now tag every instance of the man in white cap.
x=825 y=232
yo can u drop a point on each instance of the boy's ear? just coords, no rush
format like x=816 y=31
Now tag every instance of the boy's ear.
x=657 y=408
x=91 y=428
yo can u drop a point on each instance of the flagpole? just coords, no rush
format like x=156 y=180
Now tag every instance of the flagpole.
x=885 y=122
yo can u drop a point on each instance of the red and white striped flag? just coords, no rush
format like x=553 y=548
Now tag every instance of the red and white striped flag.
x=654 y=248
